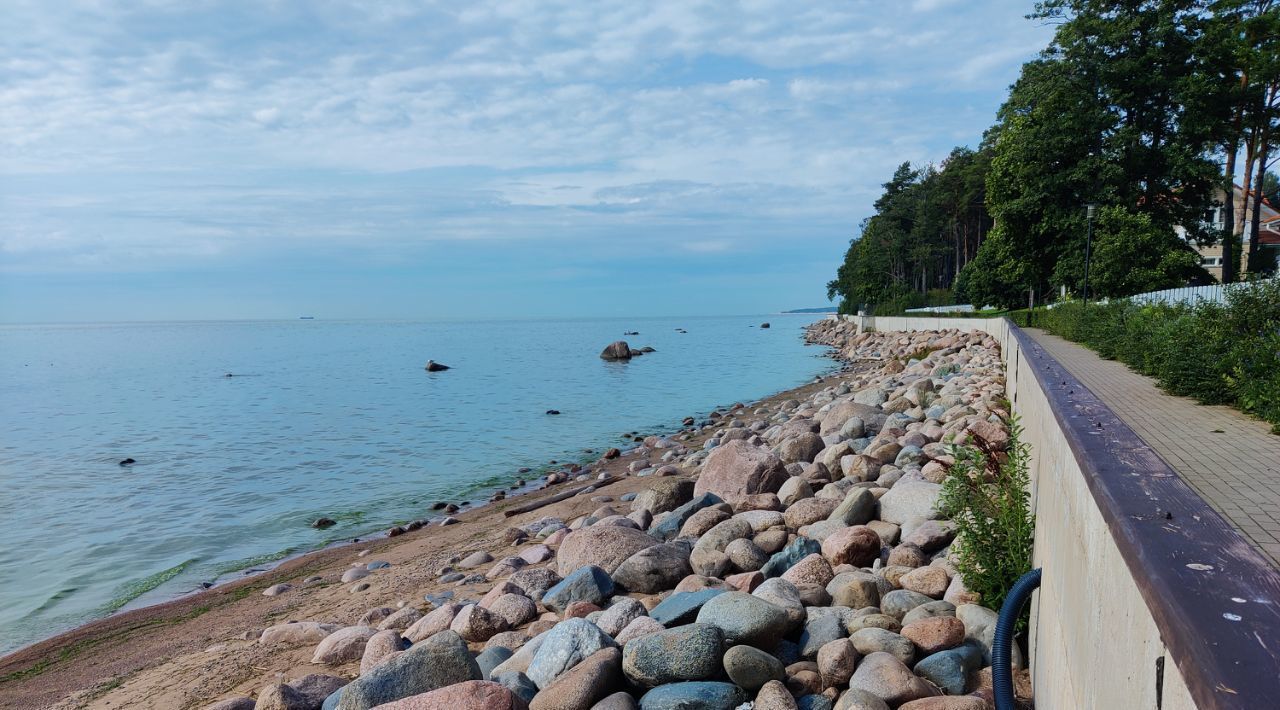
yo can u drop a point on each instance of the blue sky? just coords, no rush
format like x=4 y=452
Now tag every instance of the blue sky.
x=187 y=160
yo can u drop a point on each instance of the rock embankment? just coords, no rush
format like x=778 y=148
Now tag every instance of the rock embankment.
x=796 y=560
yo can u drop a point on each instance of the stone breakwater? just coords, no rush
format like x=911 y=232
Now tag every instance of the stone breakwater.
x=794 y=559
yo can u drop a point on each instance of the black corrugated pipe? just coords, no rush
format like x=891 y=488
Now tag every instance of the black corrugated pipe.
x=1002 y=645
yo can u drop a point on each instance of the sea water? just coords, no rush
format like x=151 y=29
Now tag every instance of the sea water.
x=318 y=418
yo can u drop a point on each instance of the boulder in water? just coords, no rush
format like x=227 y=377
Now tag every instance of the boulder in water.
x=618 y=350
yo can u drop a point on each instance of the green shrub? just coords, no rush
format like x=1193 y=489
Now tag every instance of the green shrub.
x=898 y=304
x=988 y=496
x=1214 y=353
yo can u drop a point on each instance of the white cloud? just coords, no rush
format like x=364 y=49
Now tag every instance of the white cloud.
x=395 y=122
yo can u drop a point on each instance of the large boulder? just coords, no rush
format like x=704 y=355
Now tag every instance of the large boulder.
x=664 y=495
x=908 y=500
x=750 y=668
x=694 y=695
x=298 y=633
x=857 y=508
x=671 y=523
x=343 y=645
x=654 y=569
x=795 y=551
x=690 y=652
x=746 y=619
x=316 y=687
x=477 y=624
x=280 y=697
x=887 y=678
x=858 y=546
x=564 y=647
x=620 y=613
x=434 y=622
x=437 y=662
x=737 y=469
x=682 y=607
x=951 y=669
x=589 y=584
x=617 y=350
x=841 y=412
x=801 y=448
x=605 y=546
x=578 y=689
x=470 y=695
x=535 y=581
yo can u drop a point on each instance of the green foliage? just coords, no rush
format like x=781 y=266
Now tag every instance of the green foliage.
x=1132 y=255
x=927 y=225
x=1214 y=353
x=1131 y=107
x=987 y=493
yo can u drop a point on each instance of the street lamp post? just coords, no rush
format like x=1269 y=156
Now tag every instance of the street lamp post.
x=1090 y=212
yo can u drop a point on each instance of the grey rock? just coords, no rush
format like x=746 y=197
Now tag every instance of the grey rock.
x=535 y=581
x=682 y=607
x=887 y=678
x=750 y=668
x=725 y=532
x=745 y=618
x=873 y=640
x=857 y=699
x=694 y=695
x=785 y=595
x=490 y=658
x=618 y=701
x=517 y=683
x=745 y=556
x=670 y=525
x=910 y=499
x=316 y=687
x=818 y=632
x=589 y=583
x=857 y=508
x=900 y=601
x=622 y=611
x=928 y=611
x=795 y=551
x=813 y=702
x=950 y=669
x=664 y=495
x=690 y=652
x=434 y=663
x=564 y=647
x=654 y=569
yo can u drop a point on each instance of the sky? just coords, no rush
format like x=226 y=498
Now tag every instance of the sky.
x=386 y=159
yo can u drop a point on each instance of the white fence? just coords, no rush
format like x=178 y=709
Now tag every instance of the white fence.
x=962 y=308
x=1216 y=293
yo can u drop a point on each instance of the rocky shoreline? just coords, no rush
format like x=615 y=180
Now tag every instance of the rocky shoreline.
x=782 y=555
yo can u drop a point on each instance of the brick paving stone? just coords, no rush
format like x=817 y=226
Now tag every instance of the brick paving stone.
x=1236 y=471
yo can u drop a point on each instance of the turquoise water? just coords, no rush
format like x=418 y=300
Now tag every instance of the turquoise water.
x=321 y=418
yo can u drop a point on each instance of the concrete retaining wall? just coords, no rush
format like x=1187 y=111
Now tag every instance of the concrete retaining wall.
x=1115 y=624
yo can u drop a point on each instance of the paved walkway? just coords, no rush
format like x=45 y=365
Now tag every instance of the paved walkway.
x=1231 y=460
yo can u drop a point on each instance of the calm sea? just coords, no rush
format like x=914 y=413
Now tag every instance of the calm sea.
x=334 y=419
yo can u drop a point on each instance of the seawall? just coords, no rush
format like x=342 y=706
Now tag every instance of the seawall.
x=1149 y=599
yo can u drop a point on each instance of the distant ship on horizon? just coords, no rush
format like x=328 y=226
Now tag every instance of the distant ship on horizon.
x=306 y=317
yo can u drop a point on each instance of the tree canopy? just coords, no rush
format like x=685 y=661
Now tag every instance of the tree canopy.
x=1135 y=106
